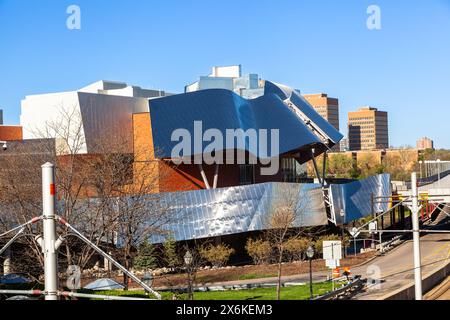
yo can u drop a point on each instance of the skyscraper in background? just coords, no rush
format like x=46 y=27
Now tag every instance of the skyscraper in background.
x=368 y=129
x=425 y=143
x=327 y=107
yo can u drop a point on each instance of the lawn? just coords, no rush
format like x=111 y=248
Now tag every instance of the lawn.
x=287 y=293
x=252 y=276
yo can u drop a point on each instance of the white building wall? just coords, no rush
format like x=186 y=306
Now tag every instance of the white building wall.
x=216 y=83
x=228 y=71
x=41 y=115
x=102 y=119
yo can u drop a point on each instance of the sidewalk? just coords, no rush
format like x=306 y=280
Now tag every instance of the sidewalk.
x=319 y=276
x=254 y=283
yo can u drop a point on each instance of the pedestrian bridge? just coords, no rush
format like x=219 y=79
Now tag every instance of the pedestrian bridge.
x=434 y=195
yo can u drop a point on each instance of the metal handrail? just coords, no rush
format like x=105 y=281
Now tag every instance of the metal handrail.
x=334 y=294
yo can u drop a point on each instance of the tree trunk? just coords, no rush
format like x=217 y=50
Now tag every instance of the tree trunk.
x=127 y=266
x=280 y=260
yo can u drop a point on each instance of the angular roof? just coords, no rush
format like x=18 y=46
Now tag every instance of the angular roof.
x=223 y=109
x=300 y=126
x=305 y=111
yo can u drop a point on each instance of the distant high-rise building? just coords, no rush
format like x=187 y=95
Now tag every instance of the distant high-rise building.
x=1 y=116
x=327 y=107
x=425 y=143
x=368 y=129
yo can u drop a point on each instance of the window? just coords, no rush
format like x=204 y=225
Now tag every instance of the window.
x=291 y=170
x=246 y=174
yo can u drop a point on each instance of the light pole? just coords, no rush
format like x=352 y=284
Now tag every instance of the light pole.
x=416 y=237
x=188 y=260
x=310 y=254
x=49 y=243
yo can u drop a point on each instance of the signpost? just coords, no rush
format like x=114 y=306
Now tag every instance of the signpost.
x=332 y=254
x=355 y=232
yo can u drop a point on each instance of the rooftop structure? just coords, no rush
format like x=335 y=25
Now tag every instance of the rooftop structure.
x=98 y=112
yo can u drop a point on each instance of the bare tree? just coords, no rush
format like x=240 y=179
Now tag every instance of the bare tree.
x=287 y=222
x=20 y=199
x=107 y=195
x=400 y=163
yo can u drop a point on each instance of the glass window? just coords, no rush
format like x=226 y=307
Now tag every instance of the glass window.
x=246 y=174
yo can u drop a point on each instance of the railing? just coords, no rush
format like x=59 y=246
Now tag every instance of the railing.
x=429 y=180
x=345 y=292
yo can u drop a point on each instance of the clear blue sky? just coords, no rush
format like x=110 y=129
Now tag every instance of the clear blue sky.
x=316 y=46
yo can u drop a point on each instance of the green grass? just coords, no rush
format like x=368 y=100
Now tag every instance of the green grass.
x=287 y=293
x=251 y=276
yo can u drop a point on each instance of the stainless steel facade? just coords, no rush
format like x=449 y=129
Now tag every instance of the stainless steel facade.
x=355 y=199
x=219 y=212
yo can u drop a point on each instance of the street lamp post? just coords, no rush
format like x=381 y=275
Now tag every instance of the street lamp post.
x=188 y=259
x=310 y=254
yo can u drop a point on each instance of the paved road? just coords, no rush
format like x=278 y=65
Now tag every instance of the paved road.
x=395 y=269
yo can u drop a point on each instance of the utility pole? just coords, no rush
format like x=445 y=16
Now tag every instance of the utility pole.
x=49 y=241
x=416 y=237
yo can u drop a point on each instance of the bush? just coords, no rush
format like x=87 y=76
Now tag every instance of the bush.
x=332 y=237
x=296 y=248
x=259 y=250
x=218 y=255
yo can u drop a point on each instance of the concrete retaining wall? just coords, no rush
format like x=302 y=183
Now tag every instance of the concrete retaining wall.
x=430 y=281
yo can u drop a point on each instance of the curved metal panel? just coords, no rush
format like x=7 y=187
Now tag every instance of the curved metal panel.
x=219 y=212
x=297 y=100
x=355 y=198
x=223 y=109
x=287 y=93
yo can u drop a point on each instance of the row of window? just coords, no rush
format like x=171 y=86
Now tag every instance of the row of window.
x=290 y=169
